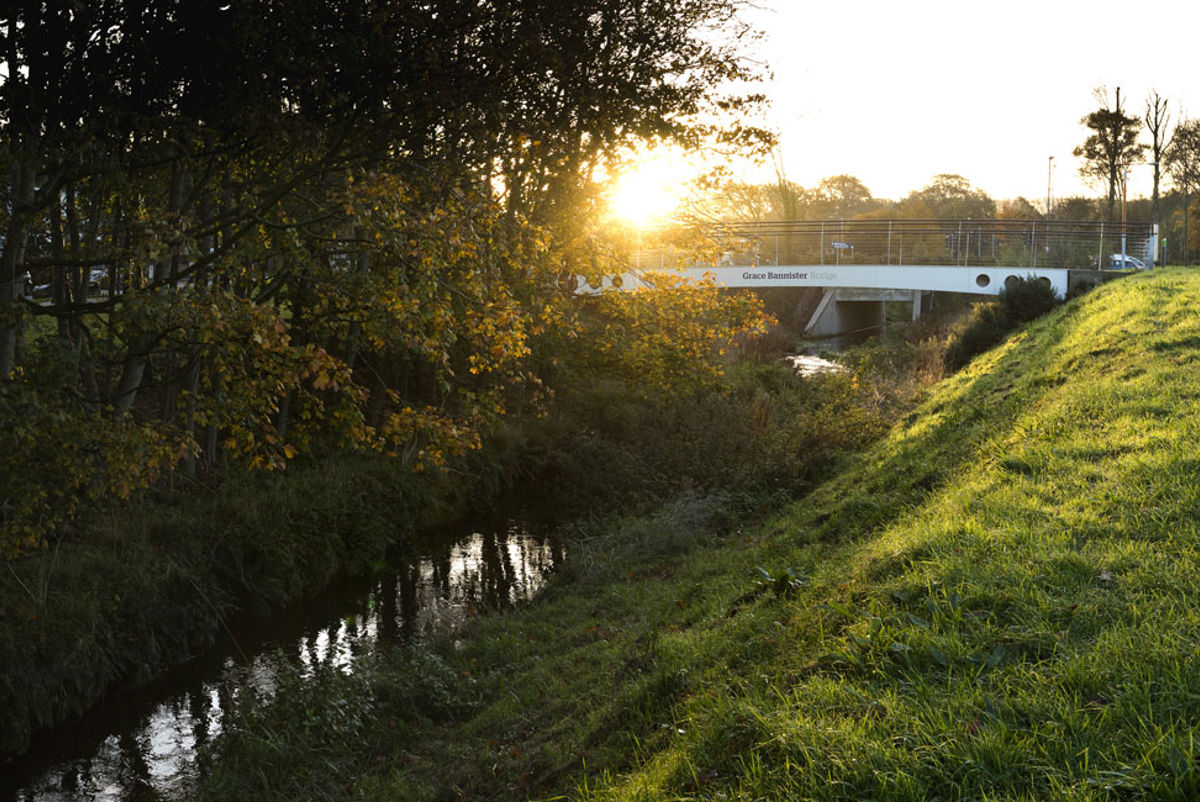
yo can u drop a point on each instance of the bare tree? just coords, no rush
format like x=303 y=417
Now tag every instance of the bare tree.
x=1158 y=124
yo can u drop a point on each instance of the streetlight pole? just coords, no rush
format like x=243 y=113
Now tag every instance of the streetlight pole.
x=1049 y=183
x=1124 y=185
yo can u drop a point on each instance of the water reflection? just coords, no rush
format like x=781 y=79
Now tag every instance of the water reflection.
x=145 y=746
x=807 y=365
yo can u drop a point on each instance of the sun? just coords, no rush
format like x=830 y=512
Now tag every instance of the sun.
x=647 y=192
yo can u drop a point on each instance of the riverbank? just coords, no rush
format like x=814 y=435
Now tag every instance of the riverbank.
x=997 y=601
x=128 y=593
x=138 y=589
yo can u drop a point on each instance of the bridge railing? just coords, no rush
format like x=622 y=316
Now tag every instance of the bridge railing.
x=1010 y=243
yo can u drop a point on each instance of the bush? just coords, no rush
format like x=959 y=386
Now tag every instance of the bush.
x=985 y=326
x=989 y=323
x=1027 y=299
x=764 y=429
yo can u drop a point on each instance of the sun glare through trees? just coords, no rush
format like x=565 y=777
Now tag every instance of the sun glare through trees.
x=650 y=190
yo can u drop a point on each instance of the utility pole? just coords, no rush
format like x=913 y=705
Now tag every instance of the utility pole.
x=1113 y=165
x=1049 y=183
x=1124 y=184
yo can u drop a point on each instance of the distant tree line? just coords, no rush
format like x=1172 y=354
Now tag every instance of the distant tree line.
x=844 y=197
x=1113 y=147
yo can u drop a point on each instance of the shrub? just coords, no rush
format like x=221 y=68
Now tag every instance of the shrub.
x=1027 y=299
x=985 y=326
x=989 y=323
x=763 y=429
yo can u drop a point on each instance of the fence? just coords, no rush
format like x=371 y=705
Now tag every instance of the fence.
x=979 y=243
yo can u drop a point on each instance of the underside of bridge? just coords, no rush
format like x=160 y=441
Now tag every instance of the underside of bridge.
x=847 y=311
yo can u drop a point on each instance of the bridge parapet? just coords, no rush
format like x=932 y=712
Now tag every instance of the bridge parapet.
x=961 y=243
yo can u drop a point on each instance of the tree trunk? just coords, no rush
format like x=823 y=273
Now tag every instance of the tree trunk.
x=192 y=387
x=12 y=260
x=354 y=338
x=131 y=376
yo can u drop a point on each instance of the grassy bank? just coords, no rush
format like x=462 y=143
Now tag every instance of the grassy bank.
x=997 y=602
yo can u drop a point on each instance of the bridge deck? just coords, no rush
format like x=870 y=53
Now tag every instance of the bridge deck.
x=972 y=256
x=982 y=280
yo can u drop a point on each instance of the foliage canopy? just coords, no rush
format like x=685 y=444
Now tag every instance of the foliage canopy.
x=260 y=228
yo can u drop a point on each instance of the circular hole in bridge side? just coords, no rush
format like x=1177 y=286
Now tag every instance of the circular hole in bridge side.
x=983 y=279
x=1011 y=281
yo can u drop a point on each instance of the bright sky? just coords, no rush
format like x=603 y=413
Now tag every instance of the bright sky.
x=894 y=93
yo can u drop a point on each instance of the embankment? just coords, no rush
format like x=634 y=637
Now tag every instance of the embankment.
x=1001 y=600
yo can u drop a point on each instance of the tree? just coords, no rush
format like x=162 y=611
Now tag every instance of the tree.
x=1017 y=209
x=1158 y=124
x=1077 y=207
x=1112 y=145
x=579 y=80
x=360 y=246
x=741 y=202
x=841 y=197
x=1183 y=164
x=951 y=196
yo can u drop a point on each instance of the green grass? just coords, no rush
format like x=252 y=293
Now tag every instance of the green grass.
x=1000 y=601
x=1023 y=626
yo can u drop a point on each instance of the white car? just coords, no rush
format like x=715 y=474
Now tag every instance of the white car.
x=1118 y=261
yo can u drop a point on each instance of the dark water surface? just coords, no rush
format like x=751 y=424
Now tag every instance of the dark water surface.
x=143 y=744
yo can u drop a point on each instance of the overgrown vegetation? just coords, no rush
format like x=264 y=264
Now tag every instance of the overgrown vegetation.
x=997 y=601
x=991 y=321
x=141 y=589
x=138 y=588
x=732 y=454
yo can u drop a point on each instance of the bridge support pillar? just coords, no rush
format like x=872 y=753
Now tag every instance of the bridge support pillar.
x=842 y=312
x=922 y=304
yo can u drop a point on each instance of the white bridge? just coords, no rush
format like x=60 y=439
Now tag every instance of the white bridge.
x=857 y=265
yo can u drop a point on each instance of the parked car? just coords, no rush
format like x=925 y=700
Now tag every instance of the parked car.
x=1119 y=261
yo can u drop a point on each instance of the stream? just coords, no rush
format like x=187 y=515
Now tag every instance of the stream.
x=143 y=744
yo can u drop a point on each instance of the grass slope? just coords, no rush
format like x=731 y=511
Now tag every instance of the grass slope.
x=1016 y=615
x=997 y=602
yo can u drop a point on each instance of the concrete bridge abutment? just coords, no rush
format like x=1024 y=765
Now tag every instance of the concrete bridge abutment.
x=849 y=310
